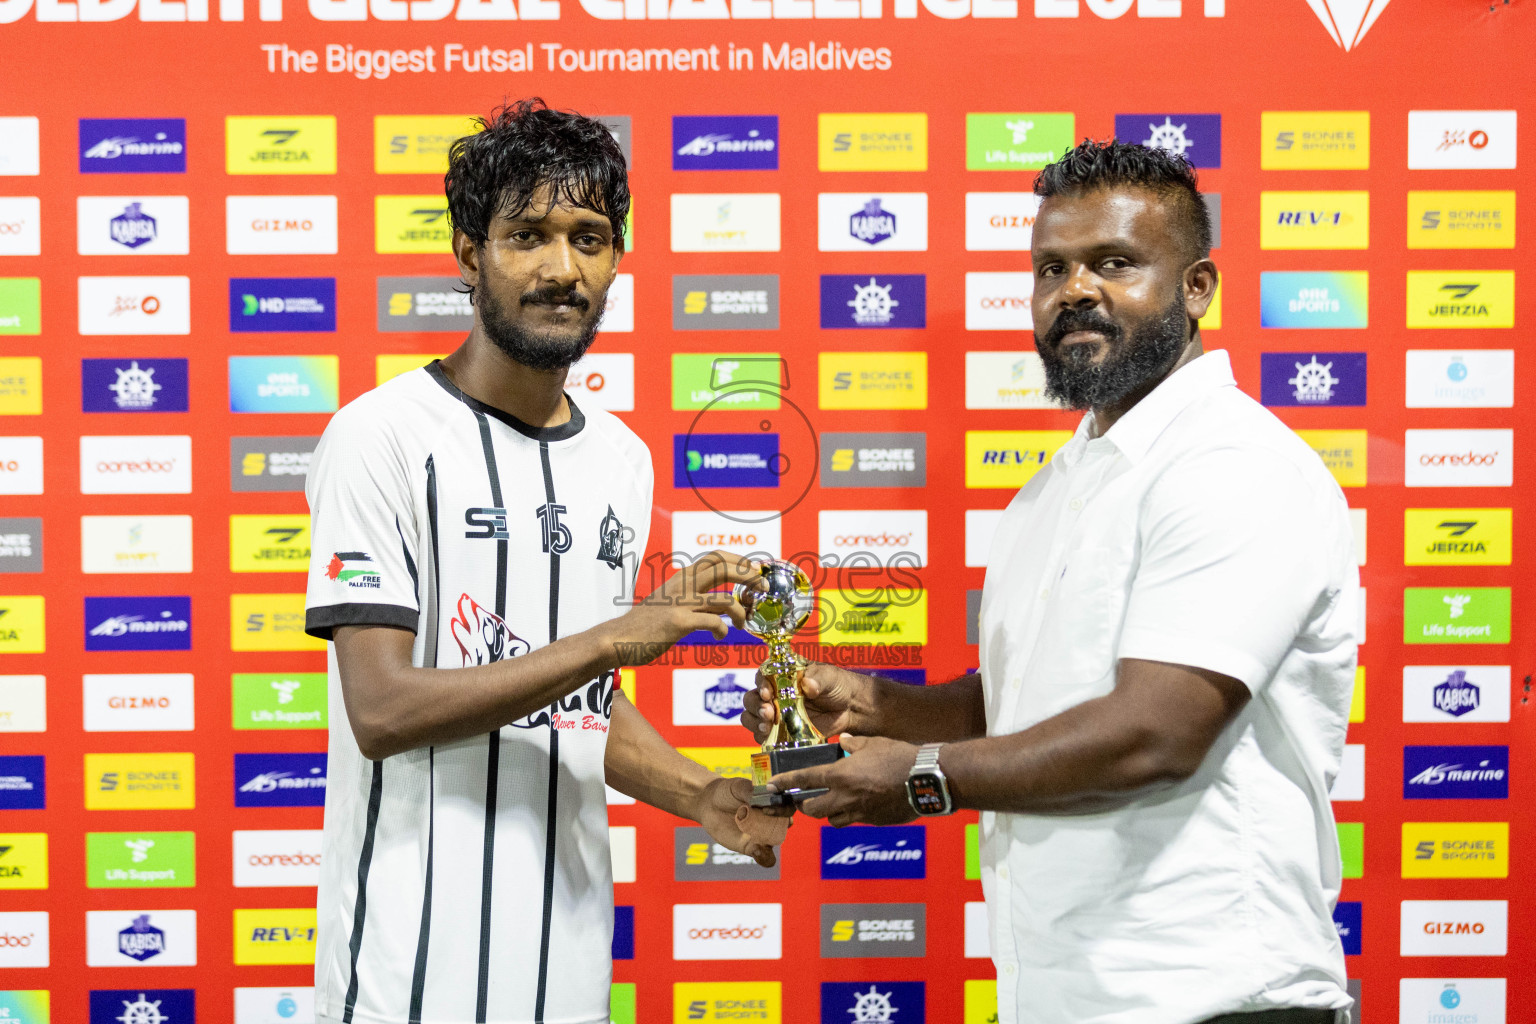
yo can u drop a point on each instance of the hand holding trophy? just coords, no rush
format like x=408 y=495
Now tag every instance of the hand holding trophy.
x=777 y=605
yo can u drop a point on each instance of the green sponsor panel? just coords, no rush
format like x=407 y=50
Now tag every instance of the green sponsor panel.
x=140 y=860
x=282 y=700
x=621 y=1002
x=1352 y=848
x=1456 y=615
x=973 y=852
x=21 y=305
x=746 y=381
x=1016 y=142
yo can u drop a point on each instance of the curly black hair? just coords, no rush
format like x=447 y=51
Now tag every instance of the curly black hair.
x=525 y=146
x=1091 y=166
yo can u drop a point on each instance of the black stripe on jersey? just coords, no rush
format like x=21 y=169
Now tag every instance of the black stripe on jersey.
x=434 y=599
x=405 y=550
x=419 y=974
x=360 y=910
x=493 y=748
x=554 y=762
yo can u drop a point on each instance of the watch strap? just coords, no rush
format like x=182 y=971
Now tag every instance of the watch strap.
x=927 y=757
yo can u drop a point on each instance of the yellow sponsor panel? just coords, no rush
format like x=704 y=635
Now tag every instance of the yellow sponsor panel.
x=269 y=622
x=21 y=386
x=880 y=615
x=1461 y=298
x=1314 y=220
x=1357 y=698
x=1461 y=220
x=1342 y=451
x=872 y=142
x=277 y=543
x=416 y=144
x=388 y=367
x=23 y=861
x=980 y=1002
x=715 y=1002
x=1212 y=319
x=412 y=224
x=140 y=782
x=1458 y=536
x=1008 y=458
x=21 y=625
x=1455 y=849
x=275 y=936
x=1315 y=140
x=280 y=145
x=732 y=762
x=872 y=380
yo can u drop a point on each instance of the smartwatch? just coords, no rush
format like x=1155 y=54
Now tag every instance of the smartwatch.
x=927 y=788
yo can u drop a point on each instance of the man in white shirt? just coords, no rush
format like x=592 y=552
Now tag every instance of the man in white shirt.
x=1167 y=654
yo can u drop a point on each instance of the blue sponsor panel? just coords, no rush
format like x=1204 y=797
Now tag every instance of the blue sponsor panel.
x=133 y=145
x=1346 y=919
x=280 y=780
x=1321 y=299
x=871 y=851
x=733 y=638
x=272 y=304
x=144 y=1006
x=1312 y=378
x=1456 y=773
x=23 y=785
x=843 y=1002
x=138 y=623
x=726 y=460
x=133 y=385
x=736 y=143
x=623 y=933
x=874 y=300
x=1195 y=137
x=910 y=676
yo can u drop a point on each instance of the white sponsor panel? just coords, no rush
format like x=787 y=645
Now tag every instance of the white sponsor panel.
x=603 y=380
x=136 y=464
x=20 y=230
x=279 y=225
x=1360 y=621
x=1450 y=1001
x=1461 y=140
x=978 y=934
x=277 y=857
x=1443 y=378
x=1458 y=458
x=725 y=222
x=1357 y=520
x=621 y=849
x=112 y=935
x=118 y=544
x=980 y=528
x=132 y=226
x=873 y=537
x=1349 y=785
x=143 y=702
x=1000 y=221
x=19 y=149
x=275 y=1005
x=1005 y=380
x=872 y=221
x=24 y=938
x=727 y=931
x=21 y=465
x=709 y=696
x=1454 y=928
x=135 y=305
x=694 y=533
x=23 y=703
x=619 y=306
x=1456 y=693
x=999 y=301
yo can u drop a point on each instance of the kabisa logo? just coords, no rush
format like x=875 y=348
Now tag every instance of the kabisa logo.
x=1456 y=773
x=864 y=851
x=1347 y=21
x=877 y=1002
x=872 y=225
x=266 y=304
x=861 y=222
x=726 y=460
x=1195 y=137
x=1316 y=378
x=132 y=227
x=1456 y=696
x=133 y=385
x=140 y=145
x=143 y=1006
x=740 y=143
x=886 y=300
x=280 y=780
x=482 y=635
x=22 y=782
x=141 y=940
x=354 y=569
x=138 y=623
x=1441 y=693
x=724 y=699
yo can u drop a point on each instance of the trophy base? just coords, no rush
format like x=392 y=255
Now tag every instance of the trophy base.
x=768 y=763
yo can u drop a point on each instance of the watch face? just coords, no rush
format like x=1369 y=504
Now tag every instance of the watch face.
x=928 y=795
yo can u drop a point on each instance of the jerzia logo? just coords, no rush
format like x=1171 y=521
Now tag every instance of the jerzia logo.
x=1347 y=21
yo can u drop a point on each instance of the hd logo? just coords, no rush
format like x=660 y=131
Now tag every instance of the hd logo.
x=758 y=1002
x=289 y=145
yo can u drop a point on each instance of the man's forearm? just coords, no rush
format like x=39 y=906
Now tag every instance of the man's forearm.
x=940 y=713
x=641 y=764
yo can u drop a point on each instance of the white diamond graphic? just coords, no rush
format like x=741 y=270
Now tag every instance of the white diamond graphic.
x=1347 y=21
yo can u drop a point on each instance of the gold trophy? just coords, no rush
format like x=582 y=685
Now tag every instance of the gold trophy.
x=777 y=606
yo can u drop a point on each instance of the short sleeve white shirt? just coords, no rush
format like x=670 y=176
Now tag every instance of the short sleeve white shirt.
x=1198 y=530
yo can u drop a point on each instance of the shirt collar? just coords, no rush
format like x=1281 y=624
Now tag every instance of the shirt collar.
x=1134 y=433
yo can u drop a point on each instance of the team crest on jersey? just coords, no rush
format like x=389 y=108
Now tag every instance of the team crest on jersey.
x=611 y=535
x=482 y=635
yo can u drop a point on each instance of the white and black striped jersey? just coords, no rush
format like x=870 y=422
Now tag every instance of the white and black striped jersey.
x=471 y=881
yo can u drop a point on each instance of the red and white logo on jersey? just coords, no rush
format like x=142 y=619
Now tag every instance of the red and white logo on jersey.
x=482 y=635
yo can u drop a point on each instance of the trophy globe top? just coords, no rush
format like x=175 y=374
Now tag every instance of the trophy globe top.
x=780 y=603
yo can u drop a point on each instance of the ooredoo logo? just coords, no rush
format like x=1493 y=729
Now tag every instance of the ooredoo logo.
x=1458 y=458
x=727 y=931
x=873 y=537
x=277 y=857
x=24 y=939
x=136 y=464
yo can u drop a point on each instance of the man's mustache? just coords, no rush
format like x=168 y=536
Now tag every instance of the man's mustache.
x=555 y=297
x=1081 y=320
